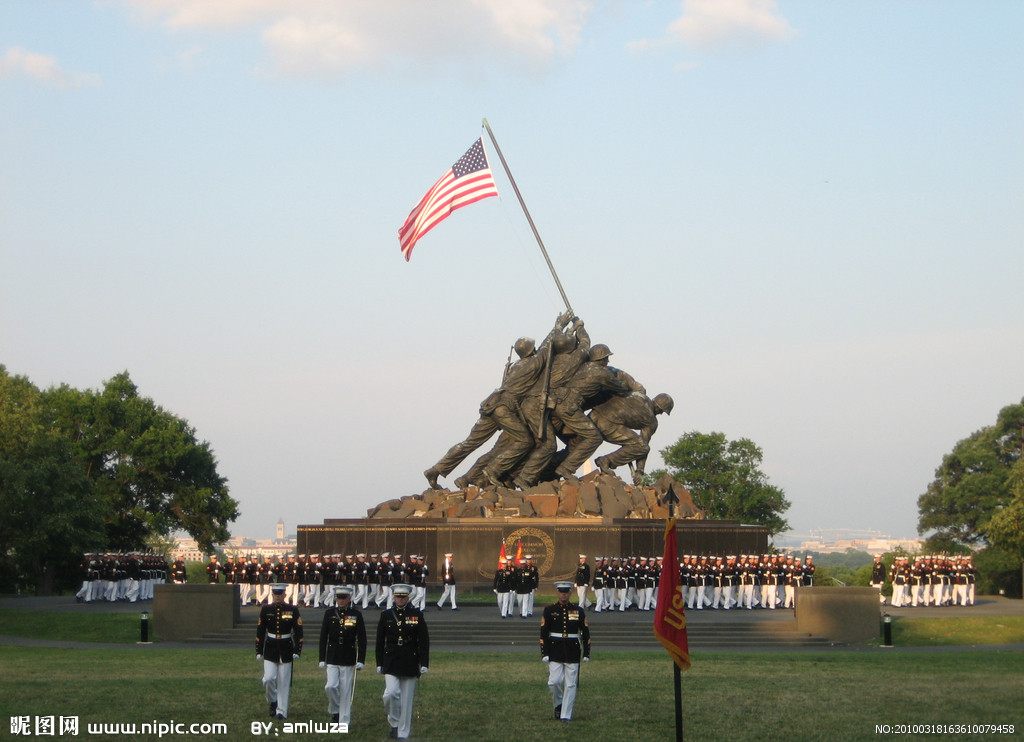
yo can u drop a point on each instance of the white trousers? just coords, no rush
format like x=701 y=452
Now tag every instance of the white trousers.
x=581 y=595
x=340 y=687
x=563 y=677
x=506 y=603
x=277 y=679
x=398 y=697
x=449 y=593
x=85 y=593
x=420 y=597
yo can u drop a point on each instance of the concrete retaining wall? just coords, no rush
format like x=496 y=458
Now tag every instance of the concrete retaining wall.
x=189 y=611
x=849 y=615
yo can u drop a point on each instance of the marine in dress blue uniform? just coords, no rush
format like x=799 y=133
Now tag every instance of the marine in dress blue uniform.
x=403 y=655
x=564 y=643
x=342 y=652
x=278 y=644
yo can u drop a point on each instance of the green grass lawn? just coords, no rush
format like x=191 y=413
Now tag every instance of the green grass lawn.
x=119 y=628
x=830 y=696
x=962 y=631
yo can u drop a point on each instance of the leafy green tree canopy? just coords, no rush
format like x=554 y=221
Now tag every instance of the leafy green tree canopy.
x=976 y=483
x=103 y=470
x=725 y=479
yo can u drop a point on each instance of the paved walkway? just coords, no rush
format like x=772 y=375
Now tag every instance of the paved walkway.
x=487 y=614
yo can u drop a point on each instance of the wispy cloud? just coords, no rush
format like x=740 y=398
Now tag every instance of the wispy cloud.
x=18 y=62
x=710 y=25
x=307 y=38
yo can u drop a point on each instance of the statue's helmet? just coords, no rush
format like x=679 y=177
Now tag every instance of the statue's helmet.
x=664 y=403
x=524 y=347
x=599 y=352
x=563 y=343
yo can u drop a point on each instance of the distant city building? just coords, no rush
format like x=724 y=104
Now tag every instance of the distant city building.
x=186 y=548
x=825 y=541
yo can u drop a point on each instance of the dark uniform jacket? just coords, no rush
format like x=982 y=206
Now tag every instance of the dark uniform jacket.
x=503 y=580
x=878 y=573
x=279 y=632
x=343 y=637
x=403 y=644
x=583 y=574
x=448 y=574
x=564 y=633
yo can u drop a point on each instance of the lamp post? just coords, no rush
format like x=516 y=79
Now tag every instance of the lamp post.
x=145 y=628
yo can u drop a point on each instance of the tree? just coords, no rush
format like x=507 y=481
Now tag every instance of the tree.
x=98 y=470
x=973 y=484
x=1005 y=528
x=148 y=470
x=725 y=479
x=47 y=517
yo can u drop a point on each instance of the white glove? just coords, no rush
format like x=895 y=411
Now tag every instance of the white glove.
x=545 y=660
x=359 y=665
x=380 y=670
x=259 y=657
x=294 y=657
x=423 y=670
x=495 y=592
x=323 y=665
x=586 y=659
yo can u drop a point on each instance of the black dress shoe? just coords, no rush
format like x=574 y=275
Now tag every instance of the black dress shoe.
x=558 y=711
x=335 y=718
x=394 y=733
x=273 y=710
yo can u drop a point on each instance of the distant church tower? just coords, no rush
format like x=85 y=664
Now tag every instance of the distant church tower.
x=280 y=529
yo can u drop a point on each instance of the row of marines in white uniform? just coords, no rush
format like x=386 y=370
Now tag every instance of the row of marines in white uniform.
x=113 y=577
x=930 y=581
x=745 y=581
x=309 y=579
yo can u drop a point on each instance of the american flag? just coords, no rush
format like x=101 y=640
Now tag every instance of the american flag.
x=466 y=182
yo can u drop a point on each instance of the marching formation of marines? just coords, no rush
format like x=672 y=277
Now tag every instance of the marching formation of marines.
x=544 y=397
x=929 y=581
x=402 y=653
x=709 y=581
x=113 y=577
x=516 y=584
x=310 y=578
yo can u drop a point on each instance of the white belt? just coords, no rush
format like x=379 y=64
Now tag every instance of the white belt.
x=279 y=636
x=564 y=636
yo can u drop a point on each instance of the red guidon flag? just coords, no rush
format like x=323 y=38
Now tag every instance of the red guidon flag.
x=466 y=182
x=669 y=617
x=501 y=556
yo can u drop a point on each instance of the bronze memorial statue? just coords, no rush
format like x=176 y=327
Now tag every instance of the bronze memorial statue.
x=544 y=397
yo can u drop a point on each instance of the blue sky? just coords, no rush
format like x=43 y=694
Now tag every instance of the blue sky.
x=802 y=220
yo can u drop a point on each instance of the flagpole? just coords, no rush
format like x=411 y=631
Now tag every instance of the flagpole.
x=526 y=211
x=677 y=676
